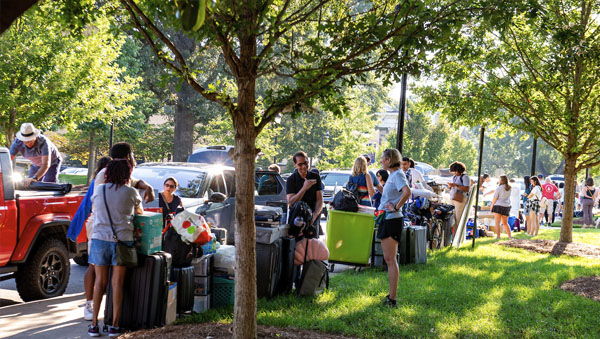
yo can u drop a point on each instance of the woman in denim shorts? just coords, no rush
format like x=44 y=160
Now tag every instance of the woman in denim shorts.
x=122 y=202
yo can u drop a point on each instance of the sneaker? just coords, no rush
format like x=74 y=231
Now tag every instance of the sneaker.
x=88 y=311
x=93 y=331
x=115 y=331
x=389 y=302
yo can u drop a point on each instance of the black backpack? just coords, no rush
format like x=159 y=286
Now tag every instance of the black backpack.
x=353 y=188
x=344 y=200
x=301 y=210
x=181 y=252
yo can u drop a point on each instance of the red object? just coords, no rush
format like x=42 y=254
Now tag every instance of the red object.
x=186 y=224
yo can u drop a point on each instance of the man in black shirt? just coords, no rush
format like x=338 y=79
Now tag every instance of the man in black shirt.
x=306 y=186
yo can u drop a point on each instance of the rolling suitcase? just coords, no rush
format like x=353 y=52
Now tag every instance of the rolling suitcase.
x=268 y=268
x=268 y=216
x=184 y=277
x=286 y=281
x=417 y=244
x=145 y=293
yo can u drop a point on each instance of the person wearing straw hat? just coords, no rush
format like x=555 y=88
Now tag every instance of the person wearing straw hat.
x=43 y=154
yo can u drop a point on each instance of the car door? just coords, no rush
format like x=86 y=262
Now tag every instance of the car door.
x=216 y=212
x=269 y=189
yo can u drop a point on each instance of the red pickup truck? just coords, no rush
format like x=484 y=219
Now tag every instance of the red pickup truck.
x=34 y=248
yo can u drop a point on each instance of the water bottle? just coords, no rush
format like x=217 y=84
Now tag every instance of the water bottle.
x=298 y=221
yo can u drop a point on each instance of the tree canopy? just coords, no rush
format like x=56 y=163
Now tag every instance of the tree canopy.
x=535 y=68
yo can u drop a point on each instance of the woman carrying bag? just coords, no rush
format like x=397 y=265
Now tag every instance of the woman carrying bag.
x=361 y=178
x=115 y=204
x=590 y=194
x=533 y=201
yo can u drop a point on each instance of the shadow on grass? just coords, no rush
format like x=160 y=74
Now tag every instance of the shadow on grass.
x=488 y=291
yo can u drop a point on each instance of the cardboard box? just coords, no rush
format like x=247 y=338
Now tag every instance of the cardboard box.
x=148 y=232
x=201 y=303
x=171 y=304
x=268 y=235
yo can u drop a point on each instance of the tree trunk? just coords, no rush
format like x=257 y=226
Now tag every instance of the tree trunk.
x=244 y=319
x=566 y=230
x=183 y=139
x=10 y=129
x=92 y=156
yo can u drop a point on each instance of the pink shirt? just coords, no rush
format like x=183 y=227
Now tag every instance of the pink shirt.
x=548 y=191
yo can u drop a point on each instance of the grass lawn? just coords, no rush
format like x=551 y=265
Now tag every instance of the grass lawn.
x=72 y=179
x=491 y=291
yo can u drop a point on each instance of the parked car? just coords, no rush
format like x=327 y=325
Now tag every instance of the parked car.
x=75 y=171
x=210 y=189
x=333 y=181
x=212 y=155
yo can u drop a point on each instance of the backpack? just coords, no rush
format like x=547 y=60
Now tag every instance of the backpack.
x=352 y=186
x=300 y=220
x=181 y=252
x=344 y=200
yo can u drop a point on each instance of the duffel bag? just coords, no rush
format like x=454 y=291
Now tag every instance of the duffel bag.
x=344 y=200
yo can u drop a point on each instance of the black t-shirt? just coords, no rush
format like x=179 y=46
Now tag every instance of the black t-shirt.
x=294 y=185
x=172 y=206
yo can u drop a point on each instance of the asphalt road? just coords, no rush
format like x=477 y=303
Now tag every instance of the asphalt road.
x=55 y=318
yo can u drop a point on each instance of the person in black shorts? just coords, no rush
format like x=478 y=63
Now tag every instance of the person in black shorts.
x=395 y=193
x=305 y=185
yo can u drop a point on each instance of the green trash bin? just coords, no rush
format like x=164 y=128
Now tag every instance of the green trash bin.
x=349 y=237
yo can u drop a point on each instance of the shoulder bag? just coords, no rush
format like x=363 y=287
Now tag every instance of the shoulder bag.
x=126 y=254
x=458 y=194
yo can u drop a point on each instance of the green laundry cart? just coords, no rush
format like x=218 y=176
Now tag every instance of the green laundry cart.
x=349 y=237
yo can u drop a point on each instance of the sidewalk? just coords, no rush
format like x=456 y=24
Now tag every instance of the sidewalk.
x=55 y=318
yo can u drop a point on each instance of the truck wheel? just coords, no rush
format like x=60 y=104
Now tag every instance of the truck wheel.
x=81 y=260
x=46 y=273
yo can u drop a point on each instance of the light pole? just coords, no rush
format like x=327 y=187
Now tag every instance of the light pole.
x=277 y=122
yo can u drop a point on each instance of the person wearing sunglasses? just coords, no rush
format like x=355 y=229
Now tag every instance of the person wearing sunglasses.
x=168 y=200
x=305 y=185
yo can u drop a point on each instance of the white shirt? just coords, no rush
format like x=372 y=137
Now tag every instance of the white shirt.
x=515 y=200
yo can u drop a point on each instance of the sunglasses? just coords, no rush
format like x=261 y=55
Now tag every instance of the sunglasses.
x=302 y=163
x=169 y=185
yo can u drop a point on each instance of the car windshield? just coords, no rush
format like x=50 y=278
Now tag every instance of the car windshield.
x=332 y=179
x=190 y=182
x=212 y=157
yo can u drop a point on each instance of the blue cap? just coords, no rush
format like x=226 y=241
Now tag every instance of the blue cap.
x=541 y=176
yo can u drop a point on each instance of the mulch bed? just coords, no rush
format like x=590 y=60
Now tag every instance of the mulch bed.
x=555 y=248
x=588 y=287
x=218 y=331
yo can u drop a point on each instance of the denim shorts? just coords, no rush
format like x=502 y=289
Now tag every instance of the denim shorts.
x=104 y=253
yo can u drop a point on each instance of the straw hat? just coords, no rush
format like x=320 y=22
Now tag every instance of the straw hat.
x=28 y=132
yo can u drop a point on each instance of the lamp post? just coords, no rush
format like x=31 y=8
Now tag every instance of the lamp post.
x=277 y=123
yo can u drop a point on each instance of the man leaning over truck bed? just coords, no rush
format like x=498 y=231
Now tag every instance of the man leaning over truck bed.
x=43 y=154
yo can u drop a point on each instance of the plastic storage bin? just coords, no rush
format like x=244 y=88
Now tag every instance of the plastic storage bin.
x=223 y=292
x=148 y=232
x=349 y=237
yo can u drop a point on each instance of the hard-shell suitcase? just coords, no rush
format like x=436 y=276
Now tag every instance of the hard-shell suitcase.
x=220 y=234
x=184 y=277
x=268 y=268
x=417 y=244
x=286 y=281
x=268 y=216
x=145 y=293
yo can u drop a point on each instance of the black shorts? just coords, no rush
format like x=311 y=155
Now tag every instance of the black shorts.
x=391 y=228
x=502 y=210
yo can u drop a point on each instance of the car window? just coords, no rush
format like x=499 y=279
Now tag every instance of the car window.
x=230 y=182
x=217 y=184
x=190 y=182
x=212 y=157
x=333 y=179
x=267 y=184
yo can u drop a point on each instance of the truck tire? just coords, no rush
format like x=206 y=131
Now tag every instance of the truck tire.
x=46 y=273
x=81 y=260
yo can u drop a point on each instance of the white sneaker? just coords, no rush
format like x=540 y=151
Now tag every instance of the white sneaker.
x=88 y=311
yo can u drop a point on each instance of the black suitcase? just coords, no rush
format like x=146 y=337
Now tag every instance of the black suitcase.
x=144 y=294
x=268 y=268
x=184 y=277
x=286 y=280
